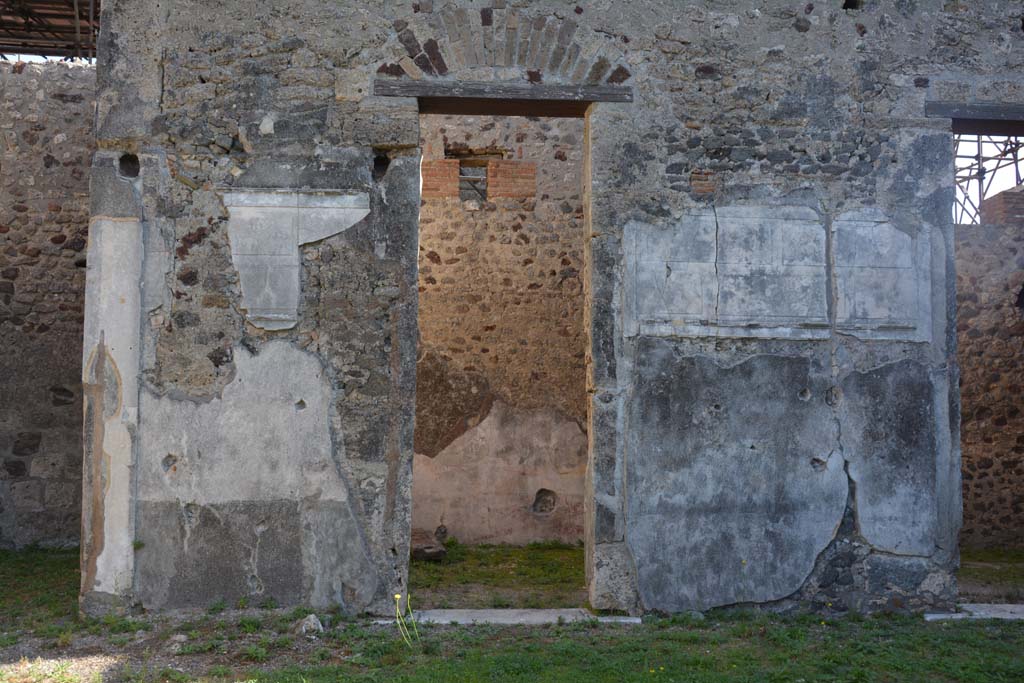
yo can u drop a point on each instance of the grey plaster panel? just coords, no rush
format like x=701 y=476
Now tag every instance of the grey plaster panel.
x=221 y=552
x=734 y=481
x=742 y=271
x=266 y=229
x=888 y=419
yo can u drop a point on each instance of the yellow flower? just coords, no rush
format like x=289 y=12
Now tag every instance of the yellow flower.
x=398 y=596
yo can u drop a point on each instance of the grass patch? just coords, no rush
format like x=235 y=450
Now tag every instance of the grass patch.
x=544 y=564
x=40 y=589
x=735 y=647
x=991 y=575
x=727 y=645
x=255 y=653
x=250 y=624
x=500 y=576
x=993 y=565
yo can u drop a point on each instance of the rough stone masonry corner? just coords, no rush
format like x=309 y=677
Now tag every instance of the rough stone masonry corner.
x=773 y=407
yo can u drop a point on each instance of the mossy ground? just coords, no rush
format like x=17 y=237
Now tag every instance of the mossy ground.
x=41 y=639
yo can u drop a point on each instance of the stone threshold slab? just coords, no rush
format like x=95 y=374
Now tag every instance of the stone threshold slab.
x=512 y=617
x=974 y=610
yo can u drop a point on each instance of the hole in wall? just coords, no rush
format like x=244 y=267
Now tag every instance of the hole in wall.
x=472 y=181
x=381 y=162
x=1020 y=299
x=300 y=405
x=544 y=502
x=805 y=394
x=853 y=4
x=128 y=166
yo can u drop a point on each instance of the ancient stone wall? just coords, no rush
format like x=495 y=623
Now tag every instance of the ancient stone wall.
x=46 y=116
x=501 y=381
x=772 y=382
x=990 y=338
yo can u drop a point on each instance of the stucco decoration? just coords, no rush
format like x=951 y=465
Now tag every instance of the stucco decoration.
x=266 y=229
x=761 y=271
x=883 y=277
x=740 y=271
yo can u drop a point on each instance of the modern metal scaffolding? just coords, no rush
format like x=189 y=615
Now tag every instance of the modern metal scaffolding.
x=985 y=165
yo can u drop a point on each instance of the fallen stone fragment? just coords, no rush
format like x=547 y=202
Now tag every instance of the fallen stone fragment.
x=425 y=546
x=308 y=625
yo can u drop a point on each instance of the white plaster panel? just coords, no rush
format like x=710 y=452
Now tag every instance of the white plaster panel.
x=883 y=278
x=316 y=224
x=270 y=288
x=745 y=271
x=112 y=327
x=266 y=229
x=760 y=271
x=266 y=438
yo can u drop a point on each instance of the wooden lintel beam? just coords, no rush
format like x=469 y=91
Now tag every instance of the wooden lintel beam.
x=981 y=111
x=501 y=91
x=474 y=106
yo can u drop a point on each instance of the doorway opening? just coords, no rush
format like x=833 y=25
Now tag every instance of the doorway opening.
x=501 y=407
x=989 y=248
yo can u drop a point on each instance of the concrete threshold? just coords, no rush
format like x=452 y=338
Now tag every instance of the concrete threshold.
x=512 y=617
x=975 y=610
